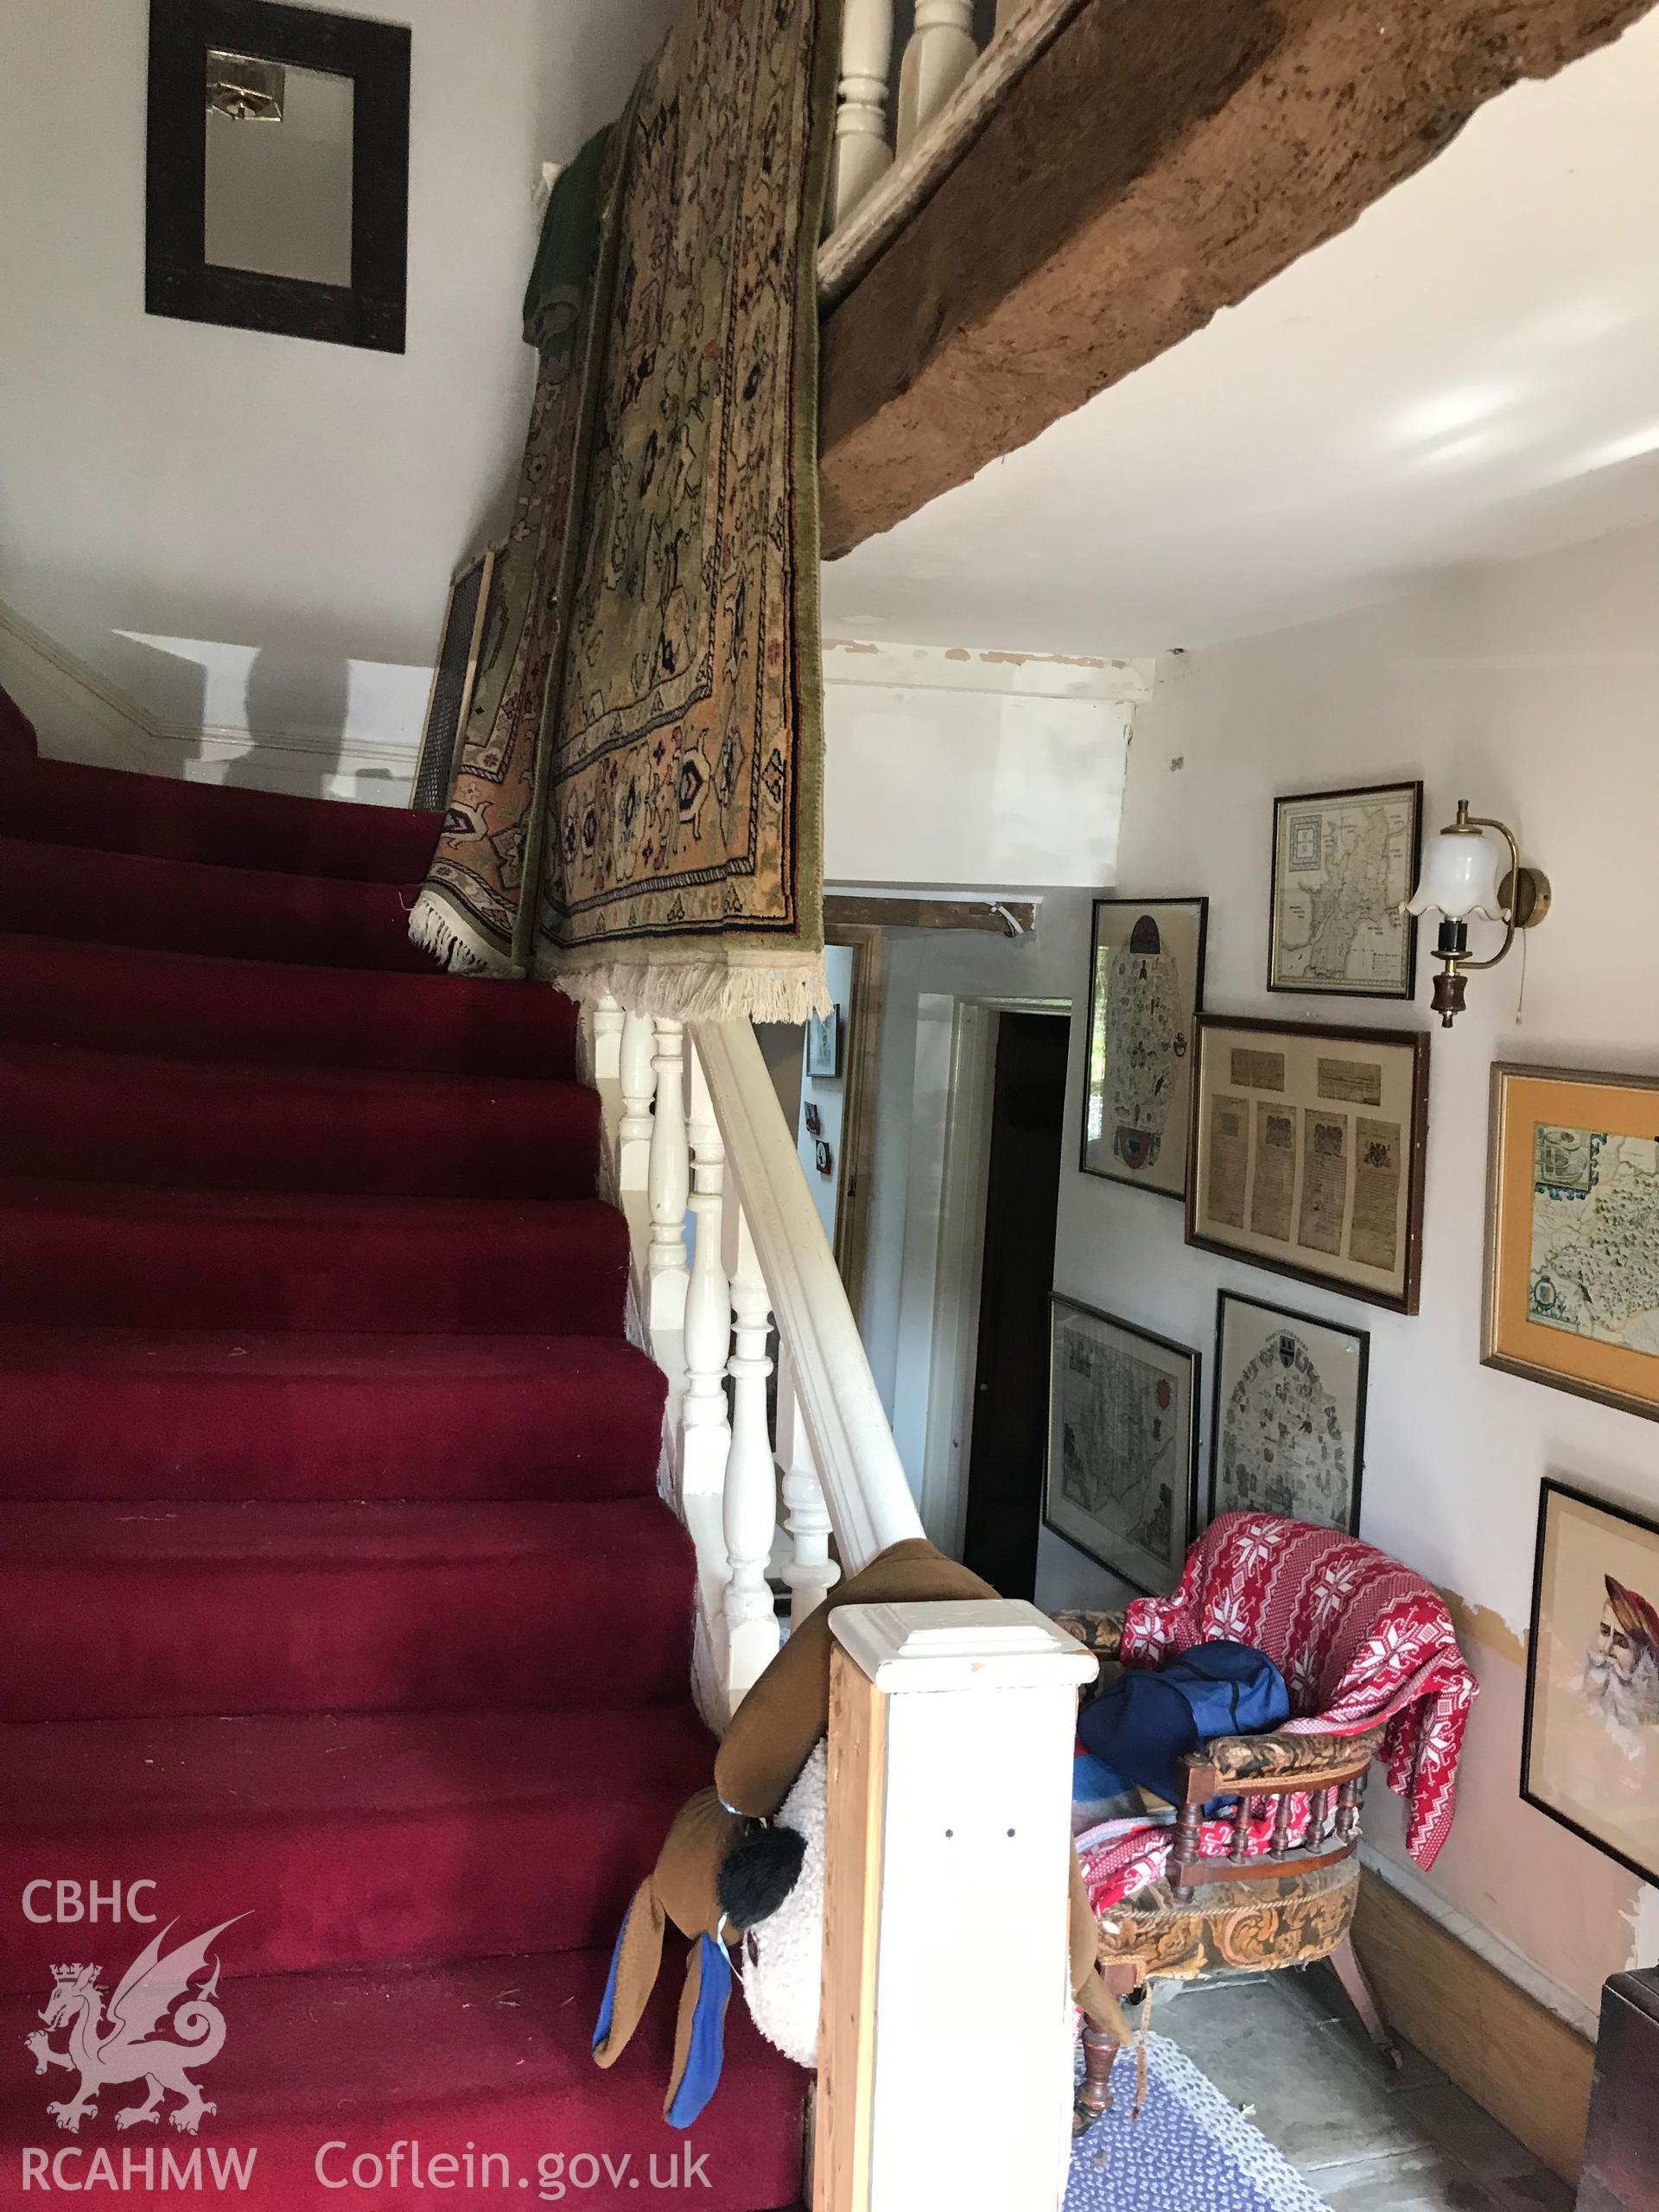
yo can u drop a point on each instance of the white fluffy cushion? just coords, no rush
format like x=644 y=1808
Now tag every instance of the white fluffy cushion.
x=782 y=1956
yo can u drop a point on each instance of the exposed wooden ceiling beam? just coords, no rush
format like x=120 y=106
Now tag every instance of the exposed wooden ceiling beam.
x=1153 y=164
x=1004 y=917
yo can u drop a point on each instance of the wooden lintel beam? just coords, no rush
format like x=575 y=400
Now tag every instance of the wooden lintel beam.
x=1007 y=917
x=1153 y=164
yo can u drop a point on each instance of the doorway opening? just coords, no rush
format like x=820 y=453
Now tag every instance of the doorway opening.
x=1009 y=1432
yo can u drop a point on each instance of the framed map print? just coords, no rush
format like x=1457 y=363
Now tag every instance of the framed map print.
x=1591 y=1753
x=1307 y=1152
x=1145 y=985
x=1344 y=865
x=1287 y=1434
x=1121 y=1481
x=1573 y=1236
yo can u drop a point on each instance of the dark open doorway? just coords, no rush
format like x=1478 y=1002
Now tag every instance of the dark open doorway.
x=1010 y=1406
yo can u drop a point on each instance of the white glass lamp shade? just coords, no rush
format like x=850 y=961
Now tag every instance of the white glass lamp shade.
x=1460 y=876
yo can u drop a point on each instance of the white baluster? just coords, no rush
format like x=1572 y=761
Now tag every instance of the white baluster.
x=608 y=1023
x=670 y=1172
x=637 y=1074
x=809 y=1569
x=941 y=52
x=706 y=1440
x=862 y=153
x=751 y=1516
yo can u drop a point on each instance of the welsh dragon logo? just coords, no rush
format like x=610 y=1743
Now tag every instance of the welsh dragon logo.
x=122 y=2045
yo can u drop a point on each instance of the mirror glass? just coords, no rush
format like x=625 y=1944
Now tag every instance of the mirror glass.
x=279 y=169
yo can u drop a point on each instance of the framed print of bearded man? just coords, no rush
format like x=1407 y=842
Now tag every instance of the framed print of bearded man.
x=1591 y=1753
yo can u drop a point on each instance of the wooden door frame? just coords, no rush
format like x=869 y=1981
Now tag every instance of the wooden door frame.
x=959 y=1260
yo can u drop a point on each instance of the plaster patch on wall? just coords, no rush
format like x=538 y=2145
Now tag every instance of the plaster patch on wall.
x=1643 y=1918
x=1483 y=1626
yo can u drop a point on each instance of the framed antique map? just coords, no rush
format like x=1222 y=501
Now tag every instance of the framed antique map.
x=1573 y=1237
x=1307 y=1152
x=1145 y=985
x=1287 y=1433
x=1591 y=1753
x=1121 y=1482
x=1344 y=865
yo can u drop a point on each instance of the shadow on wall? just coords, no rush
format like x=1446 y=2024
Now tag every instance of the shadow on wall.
x=289 y=696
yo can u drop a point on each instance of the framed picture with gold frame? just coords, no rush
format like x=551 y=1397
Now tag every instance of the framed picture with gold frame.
x=1572 y=1233
x=1307 y=1150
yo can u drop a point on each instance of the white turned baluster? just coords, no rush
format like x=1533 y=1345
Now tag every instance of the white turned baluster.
x=862 y=153
x=941 y=52
x=809 y=1569
x=670 y=1183
x=751 y=1515
x=607 y=1021
x=706 y=1440
x=637 y=1076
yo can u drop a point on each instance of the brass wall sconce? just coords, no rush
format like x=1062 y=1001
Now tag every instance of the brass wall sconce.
x=1459 y=880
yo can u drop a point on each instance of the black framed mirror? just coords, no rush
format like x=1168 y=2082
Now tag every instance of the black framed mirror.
x=277 y=171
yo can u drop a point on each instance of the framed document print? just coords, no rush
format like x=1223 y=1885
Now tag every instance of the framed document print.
x=1344 y=865
x=1287 y=1435
x=1591 y=1754
x=1307 y=1152
x=1122 y=1480
x=1573 y=1237
x=1145 y=985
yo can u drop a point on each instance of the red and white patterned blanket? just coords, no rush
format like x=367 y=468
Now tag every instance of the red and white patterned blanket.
x=1359 y=1639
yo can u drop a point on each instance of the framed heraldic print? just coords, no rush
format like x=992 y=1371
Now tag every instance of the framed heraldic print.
x=1145 y=985
x=1307 y=1152
x=1573 y=1237
x=1121 y=1481
x=1288 y=1432
x=1344 y=865
x=1591 y=1753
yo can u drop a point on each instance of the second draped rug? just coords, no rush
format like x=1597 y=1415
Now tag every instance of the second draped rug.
x=636 y=807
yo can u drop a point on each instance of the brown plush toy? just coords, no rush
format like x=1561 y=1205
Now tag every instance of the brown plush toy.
x=707 y=1882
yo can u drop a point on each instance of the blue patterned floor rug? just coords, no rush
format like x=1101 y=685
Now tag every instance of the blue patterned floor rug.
x=1189 y=2151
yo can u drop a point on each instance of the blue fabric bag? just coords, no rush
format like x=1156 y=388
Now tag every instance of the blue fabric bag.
x=1138 y=1730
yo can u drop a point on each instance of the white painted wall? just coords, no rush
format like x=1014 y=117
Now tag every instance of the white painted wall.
x=976 y=769
x=1532 y=688
x=255 y=533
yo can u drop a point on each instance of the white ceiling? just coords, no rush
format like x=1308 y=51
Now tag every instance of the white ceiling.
x=1470 y=372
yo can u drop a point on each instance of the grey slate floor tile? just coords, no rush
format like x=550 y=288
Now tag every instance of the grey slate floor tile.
x=1368 y=2138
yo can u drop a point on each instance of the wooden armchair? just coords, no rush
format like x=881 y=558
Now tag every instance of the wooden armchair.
x=1267 y=1903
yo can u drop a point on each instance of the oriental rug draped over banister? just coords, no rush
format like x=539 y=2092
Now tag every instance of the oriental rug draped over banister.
x=637 y=801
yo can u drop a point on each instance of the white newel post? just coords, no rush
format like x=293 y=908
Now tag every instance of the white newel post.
x=946 y=1909
x=809 y=1570
x=706 y=1440
x=862 y=153
x=669 y=1178
x=637 y=1080
x=750 y=1518
x=941 y=52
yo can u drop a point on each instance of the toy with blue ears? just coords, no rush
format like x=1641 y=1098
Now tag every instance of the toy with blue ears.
x=735 y=1856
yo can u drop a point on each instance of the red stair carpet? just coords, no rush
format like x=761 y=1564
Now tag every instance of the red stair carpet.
x=335 y=1590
